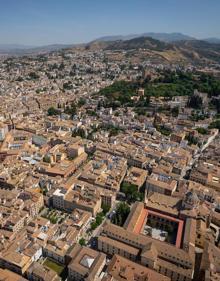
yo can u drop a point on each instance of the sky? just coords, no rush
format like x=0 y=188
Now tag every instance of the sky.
x=44 y=22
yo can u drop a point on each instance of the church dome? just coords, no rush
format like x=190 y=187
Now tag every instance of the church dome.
x=191 y=198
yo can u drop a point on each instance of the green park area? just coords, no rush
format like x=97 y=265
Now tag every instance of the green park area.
x=58 y=268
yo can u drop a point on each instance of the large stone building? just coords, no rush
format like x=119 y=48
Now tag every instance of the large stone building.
x=175 y=261
x=86 y=264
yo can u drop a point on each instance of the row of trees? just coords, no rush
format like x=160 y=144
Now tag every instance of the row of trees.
x=100 y=216
x=98 y=220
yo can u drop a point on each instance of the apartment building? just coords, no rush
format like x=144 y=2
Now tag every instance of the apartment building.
x=160 y=184
x=86 y=264
x=63 y=168
x=87 y=199
x=14 y=261
x=136 y=176
x=7 y=275
x=107 y=172
x=38 y=272
x=122 y=269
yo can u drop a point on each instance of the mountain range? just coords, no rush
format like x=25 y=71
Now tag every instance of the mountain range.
x=197 y=51
x=166 y=37
x=170 y=46
x=15 y=49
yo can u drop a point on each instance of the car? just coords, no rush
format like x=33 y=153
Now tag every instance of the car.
x=110 y=215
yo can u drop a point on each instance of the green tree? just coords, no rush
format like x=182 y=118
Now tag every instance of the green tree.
x=195 y=101
x=215 y=124
x=67 y=85
x=131 y=192
x=94 y=225
x=82 y=241
x=79 y=132
x=192 y=139
x=81 y=102
x=169 y=228
x=53 y=111
x=105 y=208
x=33 y=75
x=175 y=111
x=202 y=131
x=70 y=110
x=46 y=158
x=99 y=218
x=216 y=103
x=164 y=130
x=121 y=214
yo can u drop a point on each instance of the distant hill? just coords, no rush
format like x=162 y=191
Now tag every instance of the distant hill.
x=200 y=49
x=140 y=42
x=7 y=49
x=212 y=40
x=166 y=37
x=15 y=46
x=181 y=50
x=172 y=47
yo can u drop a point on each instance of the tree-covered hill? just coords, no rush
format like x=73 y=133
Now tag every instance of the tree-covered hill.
x=168 y=84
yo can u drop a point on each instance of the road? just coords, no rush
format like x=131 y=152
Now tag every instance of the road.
x=96 y=232
x=197 y=155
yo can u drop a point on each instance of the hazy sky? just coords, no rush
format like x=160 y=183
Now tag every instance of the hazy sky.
x=40 y=22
